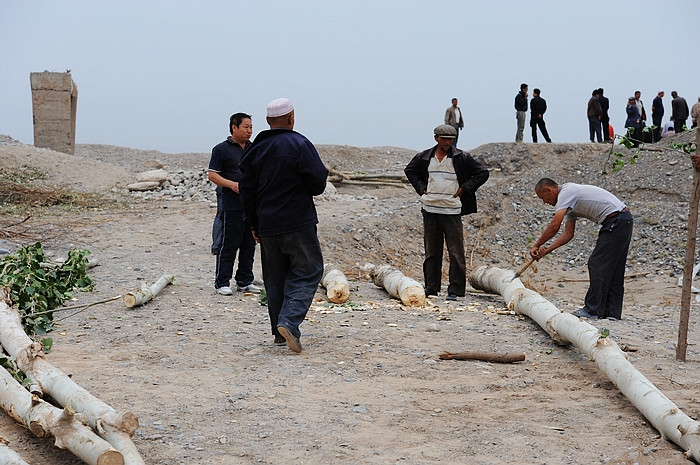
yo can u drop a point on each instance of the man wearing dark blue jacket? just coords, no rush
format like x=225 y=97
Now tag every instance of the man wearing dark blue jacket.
x=446 y=178
x=281 y=173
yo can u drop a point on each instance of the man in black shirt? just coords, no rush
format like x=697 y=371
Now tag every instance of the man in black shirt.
x=538 y=106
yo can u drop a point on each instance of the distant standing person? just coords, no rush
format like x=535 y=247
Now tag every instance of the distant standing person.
x=680 y=112
x=695 y=113
x=538 y=106
x=521 y=111
x=657 y=114
x=594 y=113
x=640 y=107
x=606 y=265
x=237 y=238
x=446 y=178
x=604 y=117
x=633 y=121
x=453 y=117
x=281 y=173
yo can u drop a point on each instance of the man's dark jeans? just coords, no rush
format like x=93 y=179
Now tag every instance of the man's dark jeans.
x=436 y=229
x=292 y=267
x=236 y=238
x=606 y=267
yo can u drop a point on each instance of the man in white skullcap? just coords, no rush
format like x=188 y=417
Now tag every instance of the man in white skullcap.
x=282 y=171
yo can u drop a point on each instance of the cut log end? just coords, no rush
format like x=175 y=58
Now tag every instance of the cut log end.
x=413 y=296
x=338 y=294
x=110 y=457
x=129 y=300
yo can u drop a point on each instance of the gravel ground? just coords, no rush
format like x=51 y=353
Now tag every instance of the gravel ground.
x=209 y=387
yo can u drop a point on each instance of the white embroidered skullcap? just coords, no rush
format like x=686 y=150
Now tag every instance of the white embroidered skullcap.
x=279 y=107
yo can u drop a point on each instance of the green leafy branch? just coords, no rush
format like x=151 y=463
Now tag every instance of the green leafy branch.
x=628 y=141
x=37 y=288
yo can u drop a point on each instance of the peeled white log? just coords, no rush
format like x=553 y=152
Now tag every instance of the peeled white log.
x=146 y=293
x=114 y=427
x=664 y=415
x=398 y=285
x=43 y=419
x=158 y=176
x=8 y=456
x=143 y=186
x=336 y=284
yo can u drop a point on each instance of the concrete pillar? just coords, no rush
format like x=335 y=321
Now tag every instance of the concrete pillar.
x=54 y=101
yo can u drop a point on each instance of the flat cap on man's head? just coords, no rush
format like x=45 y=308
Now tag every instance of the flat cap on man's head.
x=279 y=107
x=446 y=131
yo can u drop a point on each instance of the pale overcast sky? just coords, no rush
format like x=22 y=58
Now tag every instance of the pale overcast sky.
x=166 y=75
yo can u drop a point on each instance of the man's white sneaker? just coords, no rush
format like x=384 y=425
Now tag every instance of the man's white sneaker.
x=249 y=288
x=224 y=290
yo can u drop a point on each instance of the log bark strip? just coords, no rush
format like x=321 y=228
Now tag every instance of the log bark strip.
x=664 y=415
x=146 y=293
x=483 y=356
x=408 y=290
x=336 y=284
x=114 y=427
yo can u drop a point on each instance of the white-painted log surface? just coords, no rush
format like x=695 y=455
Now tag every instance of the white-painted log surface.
x=664 y=415
x=408 y=290
x=43 y=420
x=336 y=284
x=10 y=457
x=114 y=427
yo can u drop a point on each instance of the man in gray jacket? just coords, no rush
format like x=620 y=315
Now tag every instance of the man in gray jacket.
x=453 y=117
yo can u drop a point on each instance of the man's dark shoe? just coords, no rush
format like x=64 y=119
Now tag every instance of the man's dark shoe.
x=292 y=341
x=583 y=313
x=279 y=340
x=451 y=296
x=429 y=293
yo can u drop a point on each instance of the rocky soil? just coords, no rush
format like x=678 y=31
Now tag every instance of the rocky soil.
x=209 y=387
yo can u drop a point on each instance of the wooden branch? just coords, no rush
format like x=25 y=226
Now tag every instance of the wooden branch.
x=371 y=183
x=143 y=295
x=398 y=285
x=336 y=284
x=663 y=414
x=116 y=428
x=483 y=356
x=682 y=346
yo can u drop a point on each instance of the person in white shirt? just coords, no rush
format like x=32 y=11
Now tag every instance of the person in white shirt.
x=606 y=265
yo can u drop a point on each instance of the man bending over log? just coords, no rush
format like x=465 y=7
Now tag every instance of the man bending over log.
x=606 y=265
x=446 y=178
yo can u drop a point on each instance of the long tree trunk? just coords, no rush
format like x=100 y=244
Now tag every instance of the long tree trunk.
x=398 y=285
x=44 y=419
x=116 y=428
x=336 y=284
x=666 y=417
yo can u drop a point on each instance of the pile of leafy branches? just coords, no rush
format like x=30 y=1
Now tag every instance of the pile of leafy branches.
x=37 y=287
